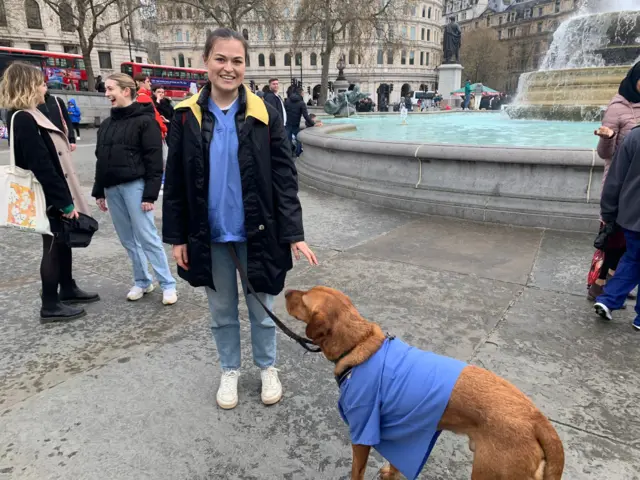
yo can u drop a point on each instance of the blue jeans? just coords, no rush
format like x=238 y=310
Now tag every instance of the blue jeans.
x=293 y=132
x=627 y=275
x=225 y=323
x=138 y=235
x=467 y=100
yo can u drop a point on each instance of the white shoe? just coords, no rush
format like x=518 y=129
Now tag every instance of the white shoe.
x=136 y=293
x=227 y=396
x=170 y=296
x=271 y=386
x=77 y=138
x=602 y=310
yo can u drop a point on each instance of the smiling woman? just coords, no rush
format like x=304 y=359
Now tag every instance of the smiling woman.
x=250 y=204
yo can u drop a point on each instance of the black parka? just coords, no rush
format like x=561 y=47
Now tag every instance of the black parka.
x=273 y=214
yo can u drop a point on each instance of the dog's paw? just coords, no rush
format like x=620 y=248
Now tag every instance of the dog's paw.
x=387 y=472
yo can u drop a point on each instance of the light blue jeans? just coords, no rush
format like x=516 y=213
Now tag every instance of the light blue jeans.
x=138 y=234
x=225 y=323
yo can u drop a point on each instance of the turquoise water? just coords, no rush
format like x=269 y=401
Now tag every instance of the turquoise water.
x=472 y=129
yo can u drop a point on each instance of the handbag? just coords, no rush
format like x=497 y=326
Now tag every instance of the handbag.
x=22 y=202
x=596 y=265
x=75 y=232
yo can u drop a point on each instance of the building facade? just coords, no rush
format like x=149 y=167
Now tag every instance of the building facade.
x=526 y=25
x=378 y=71
x=31 y=24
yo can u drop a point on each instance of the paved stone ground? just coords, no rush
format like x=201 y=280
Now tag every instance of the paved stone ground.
x=128 y=392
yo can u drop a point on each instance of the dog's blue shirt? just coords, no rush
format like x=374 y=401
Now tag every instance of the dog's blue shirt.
x=395 y=400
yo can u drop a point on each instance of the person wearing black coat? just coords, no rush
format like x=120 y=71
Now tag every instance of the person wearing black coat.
x=273 y=98
x=128 y=178
x=231 y=184
x=39 y=147
x=296 y=109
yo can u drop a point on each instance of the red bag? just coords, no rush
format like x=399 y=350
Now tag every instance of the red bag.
x=596 y=265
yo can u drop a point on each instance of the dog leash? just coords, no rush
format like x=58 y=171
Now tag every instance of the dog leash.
x=302 y=341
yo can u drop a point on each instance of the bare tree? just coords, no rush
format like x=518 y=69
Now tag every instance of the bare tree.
x=89 y=18
x=354 y=25
x=484 y=57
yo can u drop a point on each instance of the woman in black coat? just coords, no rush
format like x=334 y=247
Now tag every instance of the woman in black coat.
x=231 y=183
x=39 y=146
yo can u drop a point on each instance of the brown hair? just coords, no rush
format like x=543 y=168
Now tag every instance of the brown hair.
x=19 y=86
x=223 y=33
x=273 y=80
x=124 y=81
x=140 y=77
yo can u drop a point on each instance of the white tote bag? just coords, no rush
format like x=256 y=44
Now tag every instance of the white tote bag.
x=22 y=202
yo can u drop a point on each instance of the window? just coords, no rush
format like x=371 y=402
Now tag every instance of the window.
x=404 y=32
x=488 y=21
x=181 y=60
x=32 y=10
x=287 y=34
x=104 y=59
x=189 y=62
x=70 y=49
x=499 y=34
x=540 y=25
x=477 y=25
x=187 y=35
x=540 y=11
x=260 y=34
x=175 y=63
x=421 y=58
x=247 y=60
x=287 y=59
x=426 y=56
x=428 y=35
x=511 y=32
x=527 y=13
x=179 y=13
x=424 y=12
x=380 y=57
x=429 y=13
x=169 y=13
x=298 y=59
x=3 y=14
x=500 y=20
x=66 y=17
x=245 y=33
x=422 y=34
x=261 y=60
x=412 y=57
x=352 y=57
x=38 y=46
x=390 y=57
x=189 y=12
x=557 y=6
x=313 y=59
x=403 y=57
x=272 y=60
x=412 y=33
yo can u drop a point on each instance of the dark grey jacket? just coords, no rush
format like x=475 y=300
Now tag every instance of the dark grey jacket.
x=620 y=201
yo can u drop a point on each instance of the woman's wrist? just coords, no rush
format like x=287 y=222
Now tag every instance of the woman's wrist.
x=68 y=209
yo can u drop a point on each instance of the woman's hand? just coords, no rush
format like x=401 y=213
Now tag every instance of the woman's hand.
x=72 y=147
x=302 y=247
x=102 y=204
x=147 y=206
x=73 y=214
x=180 y=256
x=605 y=132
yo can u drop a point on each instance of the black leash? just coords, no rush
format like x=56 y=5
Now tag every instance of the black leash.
x=303 y=342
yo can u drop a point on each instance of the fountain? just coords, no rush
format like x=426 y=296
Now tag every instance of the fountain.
x=589 y=56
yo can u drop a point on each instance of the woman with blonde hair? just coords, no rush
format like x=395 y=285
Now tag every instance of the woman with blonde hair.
x=128 y=178
x=41 y=147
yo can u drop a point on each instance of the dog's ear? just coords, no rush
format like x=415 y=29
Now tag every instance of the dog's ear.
x=319 y=326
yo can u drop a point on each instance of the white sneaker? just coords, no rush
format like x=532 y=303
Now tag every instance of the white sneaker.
x=170 y=296
x=602 y=310
x=77 y=138
x=227 y=396
x=271 y=386
x=136 y=293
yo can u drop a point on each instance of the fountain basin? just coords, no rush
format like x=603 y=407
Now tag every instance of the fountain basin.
x=557 y=188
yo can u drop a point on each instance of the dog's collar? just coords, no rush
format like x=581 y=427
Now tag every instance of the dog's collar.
x=347 y=373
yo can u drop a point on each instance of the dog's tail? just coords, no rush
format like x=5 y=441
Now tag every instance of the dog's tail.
x=553 y=450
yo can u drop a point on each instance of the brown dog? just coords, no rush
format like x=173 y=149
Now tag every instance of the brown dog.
x=511 y=439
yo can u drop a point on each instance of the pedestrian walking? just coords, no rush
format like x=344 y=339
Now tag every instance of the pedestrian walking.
x=240 y=191
x=296 y=109
x=41 y=147
x=75 y=115
x=127 y=184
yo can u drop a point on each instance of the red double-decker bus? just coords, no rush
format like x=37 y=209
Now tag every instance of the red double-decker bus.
x=61 y=70
x=176 y=80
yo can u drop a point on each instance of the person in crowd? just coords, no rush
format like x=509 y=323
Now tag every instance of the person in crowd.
x=467 y=95
x=75 y=115
x=620 y=208
x=239 y=192
x=273 y=98
x=144 y=95
x=314 y=122
x=127 y=184
x=41 y=147
x=100 y=88
x=623 y=114
x=296 y=109
x=163 y=106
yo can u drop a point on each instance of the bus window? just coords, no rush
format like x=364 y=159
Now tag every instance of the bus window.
x=51 y=62
x=183 y=74
x=79 y=64
x=128 y=69
x=63 y=63
x=147 y=71
x=158 y=72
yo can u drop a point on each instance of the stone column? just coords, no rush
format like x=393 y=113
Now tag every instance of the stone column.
x=449 y=80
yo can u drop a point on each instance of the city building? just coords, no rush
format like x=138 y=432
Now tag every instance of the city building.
x=31 y=24
x=526 y=25
x=182 y=31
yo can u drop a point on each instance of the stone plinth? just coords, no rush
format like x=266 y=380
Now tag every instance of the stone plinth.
x=449 y=79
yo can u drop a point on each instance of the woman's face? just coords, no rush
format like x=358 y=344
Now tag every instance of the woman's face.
x=117 y=96
x=42 y=89
x=160 y=93
x=226 y=65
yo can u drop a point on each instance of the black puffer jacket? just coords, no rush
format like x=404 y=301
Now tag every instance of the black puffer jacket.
x=129 y=147
x=296 y=109
x=273 y=214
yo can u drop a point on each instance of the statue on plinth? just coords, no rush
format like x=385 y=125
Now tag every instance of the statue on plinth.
x=344 y=103
x=452 y=40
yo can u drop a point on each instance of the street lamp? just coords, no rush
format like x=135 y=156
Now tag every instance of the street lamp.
x=129 y=42
x=291 y=66
x=341 y=65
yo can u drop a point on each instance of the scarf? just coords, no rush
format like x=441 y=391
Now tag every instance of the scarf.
x=628 y=86
x=61 y=142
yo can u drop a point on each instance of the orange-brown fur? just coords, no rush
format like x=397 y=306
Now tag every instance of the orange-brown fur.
x=511 y=439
